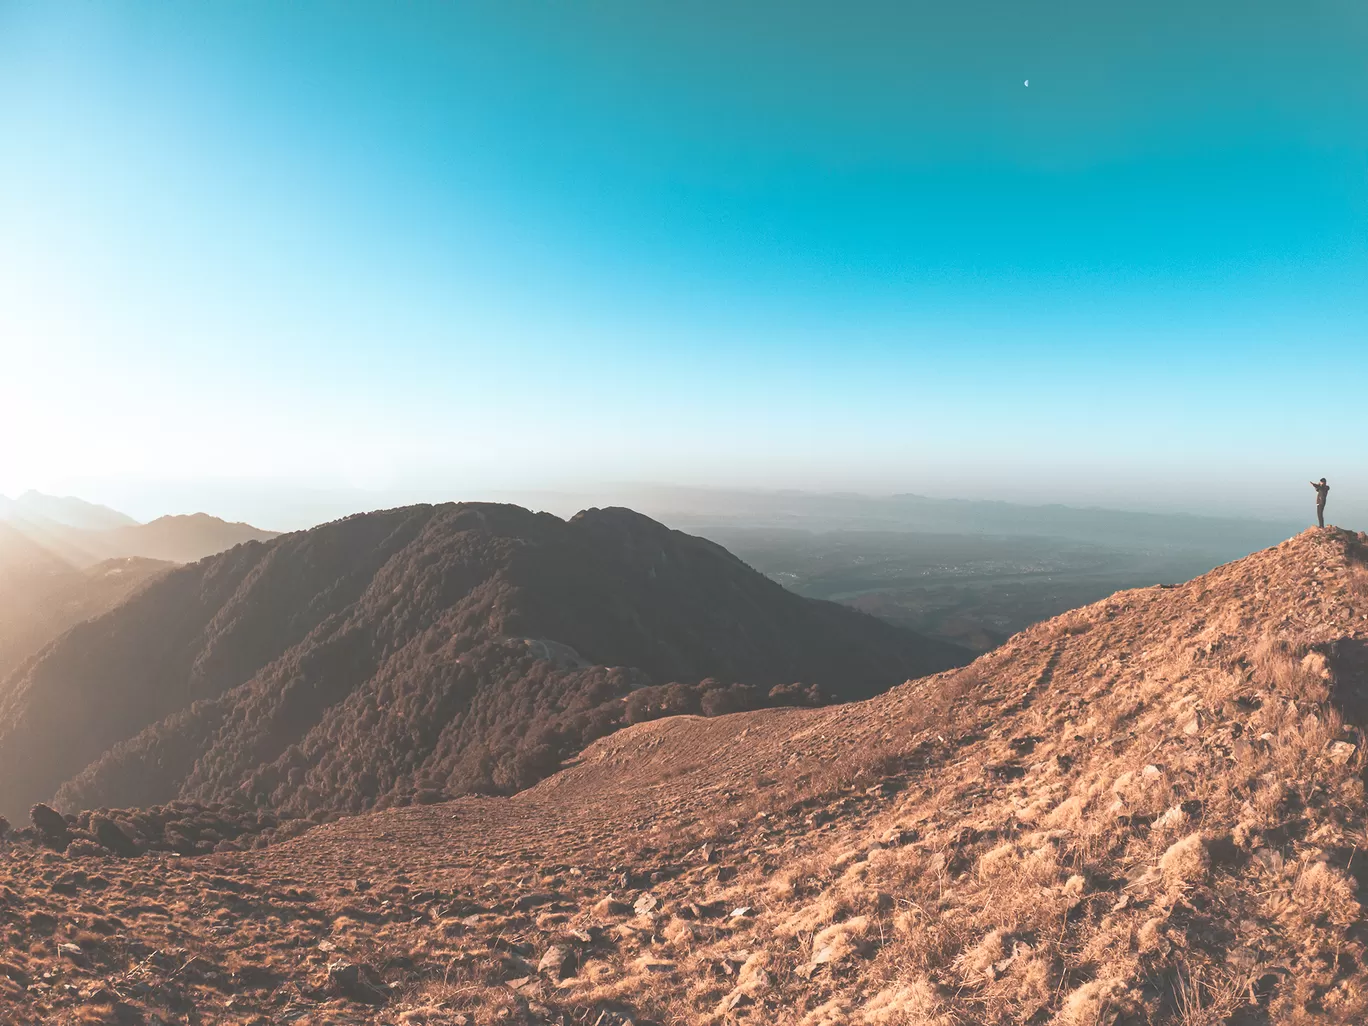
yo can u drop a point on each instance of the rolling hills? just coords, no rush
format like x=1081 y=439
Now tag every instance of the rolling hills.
x=83 y=533
x=182 y=538
x=64 y=560
x=1148 y=810
x=42 y=594
x=410 y=654
x=65 y=510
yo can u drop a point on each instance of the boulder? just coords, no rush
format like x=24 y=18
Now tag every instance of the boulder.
x=113 y=836
x=556 y=962
x=51 y=824
x=1340 y=753
x=81 y=847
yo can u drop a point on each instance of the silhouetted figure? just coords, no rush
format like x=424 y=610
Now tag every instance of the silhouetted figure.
x=1322 y=490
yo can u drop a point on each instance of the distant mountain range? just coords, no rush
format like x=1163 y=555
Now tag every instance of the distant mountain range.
x=418 y=652
x=64 y=560
x=63 y=510
x=83 y=533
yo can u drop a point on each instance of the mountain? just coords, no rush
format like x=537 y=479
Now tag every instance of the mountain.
x=65 y=510
x=406 y=654
x=82 y=533
x=180 y=539
x=42 y=594
x=64 y=560
x=1150 y=810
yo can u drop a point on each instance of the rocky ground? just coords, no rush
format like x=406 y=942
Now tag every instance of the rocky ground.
x=1148 y=810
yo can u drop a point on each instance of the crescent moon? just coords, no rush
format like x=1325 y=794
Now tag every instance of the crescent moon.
x=1028 y=83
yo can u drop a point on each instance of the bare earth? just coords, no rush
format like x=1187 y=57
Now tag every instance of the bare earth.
x=1147 y=810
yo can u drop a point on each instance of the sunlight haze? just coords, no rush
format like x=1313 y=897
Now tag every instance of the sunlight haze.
x=630 y=513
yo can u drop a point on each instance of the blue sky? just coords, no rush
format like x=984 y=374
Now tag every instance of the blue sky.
x=254 y=252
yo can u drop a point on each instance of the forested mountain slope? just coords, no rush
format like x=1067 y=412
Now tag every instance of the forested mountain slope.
x=417 y=652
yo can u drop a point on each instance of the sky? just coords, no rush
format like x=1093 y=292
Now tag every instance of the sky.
x=276 y=260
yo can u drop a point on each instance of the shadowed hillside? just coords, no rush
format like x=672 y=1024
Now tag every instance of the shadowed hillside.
x=408 y=654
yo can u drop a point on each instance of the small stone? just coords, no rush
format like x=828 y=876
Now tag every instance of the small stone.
x=653 y=964
x=1341 y=752
x=535 y=900
x=357 y=981
x=555 y=962
x=646 y=904
x=611 y=907
x=898 y=836
x=73 y=953
x=255 y=977
x=742 y=912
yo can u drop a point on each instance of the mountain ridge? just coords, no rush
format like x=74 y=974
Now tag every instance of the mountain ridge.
x=83 y=533
x=420 y=634
x=67 y=510
x=180 y=538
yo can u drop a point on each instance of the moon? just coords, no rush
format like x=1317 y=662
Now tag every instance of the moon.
x=1027 y=83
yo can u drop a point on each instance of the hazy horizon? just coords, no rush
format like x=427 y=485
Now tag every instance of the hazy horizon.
x=684 y=506
x=281 y=262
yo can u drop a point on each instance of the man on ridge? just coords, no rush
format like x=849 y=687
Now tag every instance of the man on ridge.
x=1322 y=490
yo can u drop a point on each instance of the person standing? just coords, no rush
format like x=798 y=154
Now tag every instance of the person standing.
x=1322 y=490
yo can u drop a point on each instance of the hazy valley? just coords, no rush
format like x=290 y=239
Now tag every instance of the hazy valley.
x=970 y=589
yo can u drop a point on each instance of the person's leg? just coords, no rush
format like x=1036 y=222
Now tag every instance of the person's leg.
x=1320 y=515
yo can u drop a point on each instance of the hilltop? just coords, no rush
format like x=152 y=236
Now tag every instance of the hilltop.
x=411 y=654
x=1144 y=811
x=182 y=538
x=82 y=533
